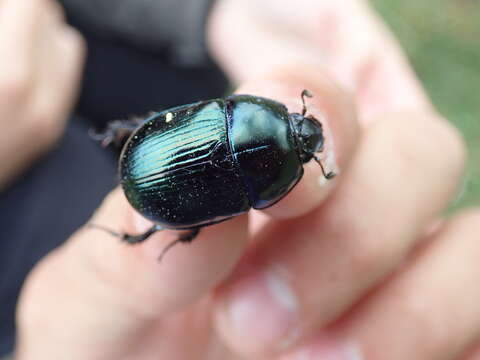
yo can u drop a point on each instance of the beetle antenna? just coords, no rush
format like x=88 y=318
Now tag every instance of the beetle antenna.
x=305 y=93
x=329 y=175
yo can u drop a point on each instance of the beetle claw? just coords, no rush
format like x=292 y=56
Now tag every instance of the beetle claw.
x=131 y=239
x=330 y=174
x=183 y=238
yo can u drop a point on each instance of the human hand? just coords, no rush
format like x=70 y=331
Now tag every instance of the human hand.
x=251 y=37
x=359 y=268
x=39 y=75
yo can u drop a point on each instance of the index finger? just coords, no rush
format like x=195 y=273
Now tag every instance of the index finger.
x=111 y=292
x=331 y=106
x=367 y=59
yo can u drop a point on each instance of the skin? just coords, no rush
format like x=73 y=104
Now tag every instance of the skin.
x=40 y=67
x=363 y=267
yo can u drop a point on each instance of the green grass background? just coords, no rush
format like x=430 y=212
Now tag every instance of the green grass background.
x=442 y=40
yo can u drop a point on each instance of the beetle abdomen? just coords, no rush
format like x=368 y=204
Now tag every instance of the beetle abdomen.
x=178 y=170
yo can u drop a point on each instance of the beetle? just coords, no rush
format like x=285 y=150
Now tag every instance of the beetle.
x=199 y=164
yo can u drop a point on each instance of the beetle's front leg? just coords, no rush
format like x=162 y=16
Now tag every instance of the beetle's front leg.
x=186 y=238
x=183 y=238
x=117 y=131
x=131 y=239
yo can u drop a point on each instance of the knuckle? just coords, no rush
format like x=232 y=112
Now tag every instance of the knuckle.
x=451 y=144
x=74 y=51
x=444 y=148
x=14 y=85
x=371 y=257
x=44 y=114
x=363 y=248
x=364 y=260
x=77 y=41
x=46 y=122
x=426 y=142
x=56 y=10
x=432 y=333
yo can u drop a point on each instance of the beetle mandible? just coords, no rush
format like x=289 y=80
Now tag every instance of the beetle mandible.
x=199 y=164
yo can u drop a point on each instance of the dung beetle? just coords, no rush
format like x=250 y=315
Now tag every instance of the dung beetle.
x=203 y=163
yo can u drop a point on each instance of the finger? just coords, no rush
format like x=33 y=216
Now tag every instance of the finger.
x=305 y=273
x=57 y=77
x=367 y=59
x=428 y=311
x=23 y=26
x=333 y=109
x=246 y=45
x=113 y=291
x=19 y=31
x=354 y=45
x=182 y=276
x=56 y=11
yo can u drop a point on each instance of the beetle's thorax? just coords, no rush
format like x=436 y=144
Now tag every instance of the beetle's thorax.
x=309 y=134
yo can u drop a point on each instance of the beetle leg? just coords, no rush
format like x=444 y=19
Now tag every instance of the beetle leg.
x=135 y=239
x=117 y=131
x=183 y=238
x=189 y=236
x=328 y=175
x=131 y=239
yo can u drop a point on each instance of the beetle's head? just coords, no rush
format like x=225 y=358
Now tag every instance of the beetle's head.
x=309 y=134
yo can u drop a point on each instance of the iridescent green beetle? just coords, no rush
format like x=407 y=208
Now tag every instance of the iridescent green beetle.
x=203 y=163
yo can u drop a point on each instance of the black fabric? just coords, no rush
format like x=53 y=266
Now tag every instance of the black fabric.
x=121 y=80
x=58 y=194
x=176 y=25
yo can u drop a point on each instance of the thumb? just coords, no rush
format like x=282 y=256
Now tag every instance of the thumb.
x=107 y=293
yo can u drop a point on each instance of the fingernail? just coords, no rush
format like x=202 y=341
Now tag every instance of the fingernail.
x=260 y=312
x=327 y=349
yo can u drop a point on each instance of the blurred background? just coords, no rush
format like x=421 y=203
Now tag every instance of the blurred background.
x=442 y=40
